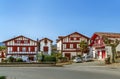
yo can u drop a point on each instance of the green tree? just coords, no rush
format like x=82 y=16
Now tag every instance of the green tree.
x=2 y=48
x=113 y=44
x=58 y=56
x=83 y=47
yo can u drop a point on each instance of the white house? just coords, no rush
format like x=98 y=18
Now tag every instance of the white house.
x=45 y=46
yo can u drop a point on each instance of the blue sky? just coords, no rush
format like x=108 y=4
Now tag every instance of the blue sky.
x=53 y=18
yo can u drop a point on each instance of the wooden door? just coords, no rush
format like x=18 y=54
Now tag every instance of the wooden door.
x=103 y=54
x=68 y=55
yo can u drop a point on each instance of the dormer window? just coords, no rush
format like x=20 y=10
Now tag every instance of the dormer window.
x=71 y=38
x=26 y=41
x=45 y=41
x=18 y=41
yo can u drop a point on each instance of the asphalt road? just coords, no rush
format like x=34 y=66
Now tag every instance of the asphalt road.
x=54 y=73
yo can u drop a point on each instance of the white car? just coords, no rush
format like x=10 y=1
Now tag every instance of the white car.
x=77 y=60
x=88 y=58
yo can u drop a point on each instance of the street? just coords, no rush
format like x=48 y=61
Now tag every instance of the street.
x=66 y=72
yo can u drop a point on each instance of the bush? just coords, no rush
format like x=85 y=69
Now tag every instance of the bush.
x=5 y=60
x=63 y=59
x=19 y=60
x=107 y=60
x=50 y=59
x=11 y=59
x=2 y=77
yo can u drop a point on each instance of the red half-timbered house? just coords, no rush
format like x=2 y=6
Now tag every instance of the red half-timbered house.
x=98 y=49
x=69 y=45
x=21 y=46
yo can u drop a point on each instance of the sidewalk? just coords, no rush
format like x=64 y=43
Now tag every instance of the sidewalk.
x=114 y=65
x=95 y=66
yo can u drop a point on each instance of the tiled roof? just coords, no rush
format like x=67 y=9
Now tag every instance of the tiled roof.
x=18 y=37
x=108 y=34
x=46 y=39
x=61 y=37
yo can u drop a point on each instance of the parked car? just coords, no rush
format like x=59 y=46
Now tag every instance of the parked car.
x=77 y=60
x=87 y=58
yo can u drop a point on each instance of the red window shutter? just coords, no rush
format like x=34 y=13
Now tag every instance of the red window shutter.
x=74 y=45
x=22 y=41
x=67 y=45
x=26 y=49
x=71 y=38
x=2 y=55
x=78 y=38
x=28 y=41
x=32 y=49
x=14 y=49
x=20 y=49
x=15 y=41
x=98 y=53
x=45 y=48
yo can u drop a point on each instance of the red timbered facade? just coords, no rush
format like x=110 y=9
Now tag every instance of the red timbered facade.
x=98 y=49
x=69 y=45
x=21 y=46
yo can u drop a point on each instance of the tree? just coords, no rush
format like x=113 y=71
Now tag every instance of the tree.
x=2 y=48
x=113 y=44
x=54 y=48
x=83 y=47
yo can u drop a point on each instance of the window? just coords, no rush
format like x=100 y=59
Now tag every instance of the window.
x=45 y=48
x=74 y=45
x=67 y=45
x=71 y=45
x=22 y=41
x=24 y=49
x=25 y=41
x=15 y=41
x=32 y=49
x=18 y=41
x=45 y=41
x=10 y=49
x=71 y=38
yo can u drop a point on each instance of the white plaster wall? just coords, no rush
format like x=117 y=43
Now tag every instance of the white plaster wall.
x=92 y=52
x=59 y=45
x=118 y=47
x=108 y=50
x=65 y=39
x=100 y=56
x=42 y=44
